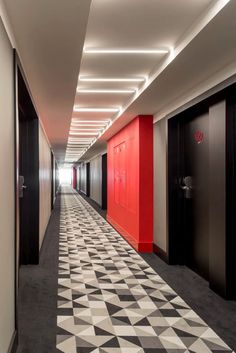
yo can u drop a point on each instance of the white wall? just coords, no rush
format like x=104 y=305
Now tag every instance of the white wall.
x=44 y=184
x=160 y=184
x=7 y=200
x=96 y=179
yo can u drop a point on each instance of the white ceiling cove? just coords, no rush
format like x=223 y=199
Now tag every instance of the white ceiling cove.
x=88 y=78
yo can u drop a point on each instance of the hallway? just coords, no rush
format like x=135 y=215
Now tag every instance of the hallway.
x=110 y=300
x=118 y=176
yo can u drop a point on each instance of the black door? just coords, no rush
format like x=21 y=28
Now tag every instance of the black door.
x=104 y=181
x=88 y=179
x=201 y=190
x=194 y=191
x=28 y=168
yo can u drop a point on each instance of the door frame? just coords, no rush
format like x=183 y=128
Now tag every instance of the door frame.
x=52 y=181
x=88 y=179
x=18 y=66
x=104 y=181
x=174 y=205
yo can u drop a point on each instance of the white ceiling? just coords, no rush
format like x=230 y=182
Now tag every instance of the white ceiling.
x=50 y=36
x=50 y=41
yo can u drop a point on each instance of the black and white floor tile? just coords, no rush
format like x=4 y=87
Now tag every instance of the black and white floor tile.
x=111 y=301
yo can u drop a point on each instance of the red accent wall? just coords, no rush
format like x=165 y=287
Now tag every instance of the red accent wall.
x=74 y=177
x=130 y=182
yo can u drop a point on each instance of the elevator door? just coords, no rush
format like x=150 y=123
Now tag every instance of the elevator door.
x=194 y=190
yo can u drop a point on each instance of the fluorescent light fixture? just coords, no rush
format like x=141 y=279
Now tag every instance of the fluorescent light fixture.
x=112 y=79
x=125 y=51
x=96 y=110
x=109 y=91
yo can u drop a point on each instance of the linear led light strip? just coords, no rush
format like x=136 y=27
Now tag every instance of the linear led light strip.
x=111 y=79
x=78 y=142
x=111 y=91
x=97 y=122
x=125 y=51
x=73 y=133
x=81 y=128
x=74 y=150
x=82 y=139
x=90 y=121
x=77 y=146
x=96 y=110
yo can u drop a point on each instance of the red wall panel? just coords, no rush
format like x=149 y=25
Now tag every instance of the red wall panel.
x=130 y=182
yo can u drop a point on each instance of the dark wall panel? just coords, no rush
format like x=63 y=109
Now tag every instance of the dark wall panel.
x=217 y=189
x=88 y=179
x=104 y=181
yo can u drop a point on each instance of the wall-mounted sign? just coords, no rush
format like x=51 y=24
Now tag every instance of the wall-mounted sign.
x=198 y=136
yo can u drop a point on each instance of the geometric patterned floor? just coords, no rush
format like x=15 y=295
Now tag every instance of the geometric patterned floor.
x=111 y=301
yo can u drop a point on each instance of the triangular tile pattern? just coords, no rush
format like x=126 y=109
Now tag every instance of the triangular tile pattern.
x=111 y=301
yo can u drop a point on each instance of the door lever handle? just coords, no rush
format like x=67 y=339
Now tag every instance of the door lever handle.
x=184 y=187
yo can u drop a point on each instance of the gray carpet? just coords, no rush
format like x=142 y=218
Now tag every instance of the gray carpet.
x=218 y=313
x=37 y=306
x=38 y=296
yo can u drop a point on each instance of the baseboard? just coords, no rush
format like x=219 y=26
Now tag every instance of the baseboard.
x=139 y=247
x=14 y=343
x=160 y=253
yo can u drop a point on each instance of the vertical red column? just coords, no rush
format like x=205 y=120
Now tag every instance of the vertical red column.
x=74 y=177
x=130 y=182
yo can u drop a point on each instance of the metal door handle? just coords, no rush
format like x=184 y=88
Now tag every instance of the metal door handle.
x=184 y=187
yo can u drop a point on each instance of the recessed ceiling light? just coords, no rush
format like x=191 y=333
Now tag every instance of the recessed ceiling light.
x=125 y=51
x=112 y=79
x=94 y=110
x=111 y=91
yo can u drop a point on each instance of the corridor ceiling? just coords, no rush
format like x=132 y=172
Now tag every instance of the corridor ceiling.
x=93 y=65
